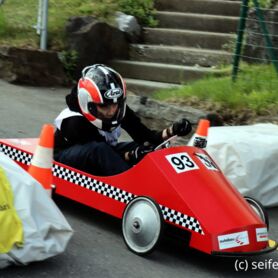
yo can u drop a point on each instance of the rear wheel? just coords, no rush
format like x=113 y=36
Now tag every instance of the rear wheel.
x=142 y=225
x=259 y=209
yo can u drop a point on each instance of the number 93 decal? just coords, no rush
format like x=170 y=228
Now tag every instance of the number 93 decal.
x=182 y=162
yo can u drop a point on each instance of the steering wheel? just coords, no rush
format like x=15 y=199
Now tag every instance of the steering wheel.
x=166 y=143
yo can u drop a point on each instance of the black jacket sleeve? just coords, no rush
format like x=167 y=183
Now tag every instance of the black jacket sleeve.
x=79 y=130
x=138 y=131
x=75 y=130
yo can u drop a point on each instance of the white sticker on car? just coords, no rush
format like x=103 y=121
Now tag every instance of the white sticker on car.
x=206 y=160
x=182 y=162
x=233 y=240
x=262 y=234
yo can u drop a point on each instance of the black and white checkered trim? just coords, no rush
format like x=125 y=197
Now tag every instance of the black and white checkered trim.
x=103 y=188
x=181 y=219
x=16 y=154
x=92 y=184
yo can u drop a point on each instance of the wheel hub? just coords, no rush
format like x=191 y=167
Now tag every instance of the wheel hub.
x=142 y=221
x=136 y=225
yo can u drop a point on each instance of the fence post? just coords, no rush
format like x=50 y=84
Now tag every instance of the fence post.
x=240 y=33
x=269 y=46
x=43 y=38
x=39 y=18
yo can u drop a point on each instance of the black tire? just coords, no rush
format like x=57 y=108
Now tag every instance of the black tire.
x=259 y=209
x=142 y=225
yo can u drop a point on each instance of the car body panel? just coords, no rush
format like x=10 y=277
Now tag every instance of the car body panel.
x=189 y=187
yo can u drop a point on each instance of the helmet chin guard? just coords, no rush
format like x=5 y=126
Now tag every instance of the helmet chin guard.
x=101 y=85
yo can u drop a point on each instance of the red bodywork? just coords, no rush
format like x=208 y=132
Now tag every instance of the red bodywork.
x=191 y=190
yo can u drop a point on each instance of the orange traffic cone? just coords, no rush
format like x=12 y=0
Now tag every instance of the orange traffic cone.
x=199 y=139
x=41 y=163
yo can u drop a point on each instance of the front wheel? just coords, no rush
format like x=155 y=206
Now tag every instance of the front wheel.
x=142 y=225
x=259 y=209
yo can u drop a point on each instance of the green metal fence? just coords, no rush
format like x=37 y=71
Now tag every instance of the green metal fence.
x=270 y=39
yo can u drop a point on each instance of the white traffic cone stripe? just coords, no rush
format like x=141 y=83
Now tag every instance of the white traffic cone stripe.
x=43 y=157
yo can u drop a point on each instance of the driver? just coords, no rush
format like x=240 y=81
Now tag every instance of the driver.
x=87 y=131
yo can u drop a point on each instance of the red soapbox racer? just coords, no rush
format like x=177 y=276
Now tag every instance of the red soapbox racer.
x=181 y=187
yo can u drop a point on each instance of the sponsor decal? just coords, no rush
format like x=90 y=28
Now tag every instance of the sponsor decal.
x=233 y=240
x=113 y=93
x=262 y=234
x=181 y=162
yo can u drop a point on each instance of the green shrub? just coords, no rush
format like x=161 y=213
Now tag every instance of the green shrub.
x=143 y=10
x=69 y=60
x=264 y=3
x=101 y=9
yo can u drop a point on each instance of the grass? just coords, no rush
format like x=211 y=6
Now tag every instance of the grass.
x=20 y=16
x=17 y=18
x=256 y=89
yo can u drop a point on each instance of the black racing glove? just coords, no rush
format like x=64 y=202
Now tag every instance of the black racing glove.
x=139 y=152
x=181 y=128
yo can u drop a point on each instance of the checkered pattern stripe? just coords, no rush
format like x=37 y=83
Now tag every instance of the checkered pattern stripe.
x=15 y=154
x=102 y=188
x=92 y=184
x=181 y=219
x=72 y=176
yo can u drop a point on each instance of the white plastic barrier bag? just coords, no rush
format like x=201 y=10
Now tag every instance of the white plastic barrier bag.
x=248 y=156
x=46 y=231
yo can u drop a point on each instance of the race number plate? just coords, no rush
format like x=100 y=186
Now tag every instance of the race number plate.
x=208 y=163
x=182 y=162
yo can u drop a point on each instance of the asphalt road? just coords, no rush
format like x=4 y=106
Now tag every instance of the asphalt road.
x=97 y=248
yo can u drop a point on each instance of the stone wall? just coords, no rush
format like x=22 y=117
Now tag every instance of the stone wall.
x=159 y=115
x=32 y=67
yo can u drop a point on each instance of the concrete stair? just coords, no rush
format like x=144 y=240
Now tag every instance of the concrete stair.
x=146 y=87
x=188 y=43
x=214 y=7
x=160 y=72
x=187 y=38
x=178 y=55
x=199 y=22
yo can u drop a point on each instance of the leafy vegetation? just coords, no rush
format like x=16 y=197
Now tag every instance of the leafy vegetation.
x=142 y=9
x=265 y=3
x=69 y=59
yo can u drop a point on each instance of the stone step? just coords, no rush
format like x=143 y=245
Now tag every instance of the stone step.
x=200 y=22
x=229 y=8
x=187 y=38
x=146 y=87
x=160 y=72
x=178 y=55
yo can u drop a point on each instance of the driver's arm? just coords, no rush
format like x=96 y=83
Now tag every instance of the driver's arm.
x=140 y=133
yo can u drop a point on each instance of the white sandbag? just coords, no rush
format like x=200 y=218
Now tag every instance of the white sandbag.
x=46 y=231
x=248 y=156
